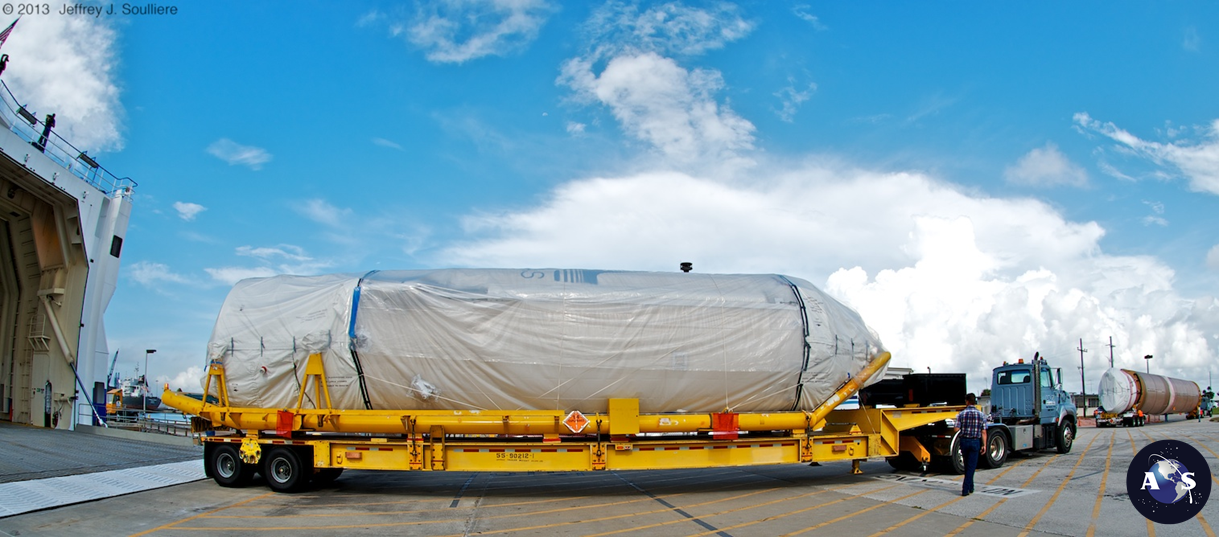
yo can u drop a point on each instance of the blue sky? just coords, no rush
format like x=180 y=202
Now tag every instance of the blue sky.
x=980 y=180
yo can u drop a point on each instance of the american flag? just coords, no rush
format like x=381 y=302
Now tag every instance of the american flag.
x=9 y=30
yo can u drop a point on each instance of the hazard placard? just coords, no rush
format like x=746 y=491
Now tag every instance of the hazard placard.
x=575 y=421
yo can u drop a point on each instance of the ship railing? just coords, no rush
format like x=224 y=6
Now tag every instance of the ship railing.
x=22 y=122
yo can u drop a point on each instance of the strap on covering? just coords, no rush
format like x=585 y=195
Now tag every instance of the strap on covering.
x=807 y=348
x=351 y=340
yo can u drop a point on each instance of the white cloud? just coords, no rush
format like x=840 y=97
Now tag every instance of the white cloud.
x=456 y=31
x=187 y=381
x=372 y=17
x=283 y=251
x=791 y=98
x=671 y=108
x=801 y=12
x=1197 y=161
x=1192 y=41
x=665 y=105
x=235 y=153
x=188 y=211
x=150 y=274
x=1212 y=258
x=280 y=259
x=322 y=212
x=66 y=66
x=386 y=143
x=575 y=129
x=951 y=280
x=232 y=275
x=1155 y=219
x=670 y=28
x=1045 y=167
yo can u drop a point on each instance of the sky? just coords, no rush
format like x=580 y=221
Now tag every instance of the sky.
x=981 y=181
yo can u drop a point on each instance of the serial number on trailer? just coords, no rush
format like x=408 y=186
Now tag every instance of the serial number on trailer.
x=524 y=457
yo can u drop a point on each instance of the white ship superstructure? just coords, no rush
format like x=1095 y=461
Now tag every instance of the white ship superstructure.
x=62 y=222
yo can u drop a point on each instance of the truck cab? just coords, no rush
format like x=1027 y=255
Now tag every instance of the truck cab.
x=1029 y=410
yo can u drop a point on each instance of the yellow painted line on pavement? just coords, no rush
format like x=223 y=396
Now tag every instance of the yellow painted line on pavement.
x=188 y=519
x=1151 y=529
x=602 y=519
x=983 y=514
x=843 y=517
x=1101 y=493
x=729 y=511
x=943 y=505
x=1062 y=486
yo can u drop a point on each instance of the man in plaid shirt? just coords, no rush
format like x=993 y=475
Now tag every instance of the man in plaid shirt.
x=972 y=425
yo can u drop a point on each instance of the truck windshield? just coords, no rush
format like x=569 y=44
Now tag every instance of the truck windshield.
x=1046 y=380
x=1014 y=377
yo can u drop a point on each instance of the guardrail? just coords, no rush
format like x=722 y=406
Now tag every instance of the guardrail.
x=151 y=422
x=28 y=127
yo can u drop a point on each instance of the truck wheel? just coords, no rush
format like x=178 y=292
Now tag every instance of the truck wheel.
x=325 y=476
x=225 y=467
x=996 y=450
x=284 y=470
x=1066 y=437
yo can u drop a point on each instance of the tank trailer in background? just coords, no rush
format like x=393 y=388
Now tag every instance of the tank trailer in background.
x=1129 y=397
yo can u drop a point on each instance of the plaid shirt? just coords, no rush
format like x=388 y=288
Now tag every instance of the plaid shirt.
x=971 y=422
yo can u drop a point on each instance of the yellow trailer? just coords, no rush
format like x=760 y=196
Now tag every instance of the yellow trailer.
x=292 y=446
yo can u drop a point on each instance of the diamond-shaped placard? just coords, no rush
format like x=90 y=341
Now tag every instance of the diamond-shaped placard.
x=575 y=421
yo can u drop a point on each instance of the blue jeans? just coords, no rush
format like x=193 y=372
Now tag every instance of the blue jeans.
x=969 y=451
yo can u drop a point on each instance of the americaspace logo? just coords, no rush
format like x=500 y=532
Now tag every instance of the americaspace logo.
x=1168 y=481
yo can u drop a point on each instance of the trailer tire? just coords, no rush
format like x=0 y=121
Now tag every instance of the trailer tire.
x=1066 y=436
x=224 y=465
x=284 y=471
x=326 y=476
x=905 y=461
x=955 y=461
x=996 y=450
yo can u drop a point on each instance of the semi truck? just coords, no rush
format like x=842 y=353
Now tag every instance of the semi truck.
x=1029 y=412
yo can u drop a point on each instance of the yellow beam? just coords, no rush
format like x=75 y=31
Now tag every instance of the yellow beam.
x=534 y=422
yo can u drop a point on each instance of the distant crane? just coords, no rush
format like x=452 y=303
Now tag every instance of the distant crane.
x=110 y=373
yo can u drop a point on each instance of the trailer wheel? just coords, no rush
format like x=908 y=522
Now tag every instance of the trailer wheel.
x=284 y=470
x=996 y=450
x=224 y=465
x=325 y=476
x=905 y=461
x=955 y=462
x=1066 y=436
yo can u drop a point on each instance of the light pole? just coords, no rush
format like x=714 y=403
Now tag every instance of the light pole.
x=147 y=390
x=1148 y=358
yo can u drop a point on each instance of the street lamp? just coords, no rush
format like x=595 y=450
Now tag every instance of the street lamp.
x=1148 y=358
x=147 y=390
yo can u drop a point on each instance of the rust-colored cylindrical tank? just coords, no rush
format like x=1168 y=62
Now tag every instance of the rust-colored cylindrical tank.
x=1122 y=390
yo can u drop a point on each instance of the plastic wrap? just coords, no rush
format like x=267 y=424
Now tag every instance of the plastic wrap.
x=540 y=339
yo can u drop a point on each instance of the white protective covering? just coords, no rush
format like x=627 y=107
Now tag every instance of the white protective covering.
x=1118 y=391
x=541 y=339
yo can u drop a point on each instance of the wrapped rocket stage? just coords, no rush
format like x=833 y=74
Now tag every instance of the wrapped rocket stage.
x=1122 y=390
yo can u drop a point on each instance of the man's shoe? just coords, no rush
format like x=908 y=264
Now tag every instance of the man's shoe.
x=965 y=494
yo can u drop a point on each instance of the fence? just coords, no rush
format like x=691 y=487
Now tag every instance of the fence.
x=26 y=125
